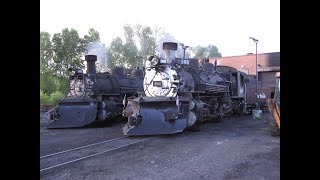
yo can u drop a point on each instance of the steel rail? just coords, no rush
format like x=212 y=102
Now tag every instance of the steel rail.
x=47 y=168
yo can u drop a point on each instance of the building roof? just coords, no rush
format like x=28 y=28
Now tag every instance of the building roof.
x=266 y=62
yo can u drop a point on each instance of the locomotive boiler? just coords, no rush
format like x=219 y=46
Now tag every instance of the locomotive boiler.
x=94 y=97
x=180 y=93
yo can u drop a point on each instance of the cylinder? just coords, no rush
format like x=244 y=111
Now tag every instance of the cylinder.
x=91 y=63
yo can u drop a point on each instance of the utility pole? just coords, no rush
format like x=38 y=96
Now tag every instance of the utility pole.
x=257 y=74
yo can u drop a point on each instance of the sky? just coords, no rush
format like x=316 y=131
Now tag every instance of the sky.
x=227 y=24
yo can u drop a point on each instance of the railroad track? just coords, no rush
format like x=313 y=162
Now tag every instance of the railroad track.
x=62 y=158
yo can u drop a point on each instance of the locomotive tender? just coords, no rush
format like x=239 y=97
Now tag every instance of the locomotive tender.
x=180 y=93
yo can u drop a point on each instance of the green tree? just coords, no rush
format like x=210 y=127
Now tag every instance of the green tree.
x=126 y=53
x=68 y=49
x=116 y=53
x=50 y=83
x=199 y=51
x=130 y=50
x=213 y=51
x=123 y=53
x=46 y=52
x=147 y=40
x=205 y=52
x=64 y=50
x=94 y=36
x=47 y=83
x=110 y=61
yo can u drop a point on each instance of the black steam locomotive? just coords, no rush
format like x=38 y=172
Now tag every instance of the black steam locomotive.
x=180 y=93
x=95 y=97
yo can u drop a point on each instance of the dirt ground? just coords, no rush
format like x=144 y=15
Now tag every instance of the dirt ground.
x=235 y=148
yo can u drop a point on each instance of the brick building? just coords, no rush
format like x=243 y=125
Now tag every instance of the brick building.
x=268 y=65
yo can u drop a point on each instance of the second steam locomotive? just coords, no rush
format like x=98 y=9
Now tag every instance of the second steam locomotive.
x=94 y=97
x=180 y=93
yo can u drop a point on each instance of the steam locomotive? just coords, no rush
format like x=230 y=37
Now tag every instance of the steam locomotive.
x=94 y=97
x=181 y=93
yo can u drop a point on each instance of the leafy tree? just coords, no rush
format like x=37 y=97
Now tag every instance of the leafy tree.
x=126 y=53
x=55 y=97
x=199 y=51
x=123 y=53
x=50 y=83
x=68 y=49
x=47 y=83
x=213 y=51
x=44 y=98
x=46 y=52
x=110 y=59
x=116 y=52
x=147 y=40
x=130 y=50
x=205 y=52
x=94 y=36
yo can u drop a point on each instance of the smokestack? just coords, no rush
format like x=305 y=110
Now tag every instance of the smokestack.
x=170 y=50
x=91 y=63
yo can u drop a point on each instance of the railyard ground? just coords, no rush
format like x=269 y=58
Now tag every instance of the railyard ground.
x=235 y=148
